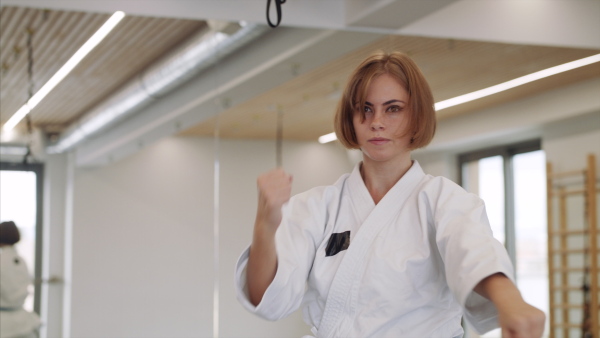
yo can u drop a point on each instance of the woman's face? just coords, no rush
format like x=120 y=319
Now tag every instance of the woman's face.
x=382 y=135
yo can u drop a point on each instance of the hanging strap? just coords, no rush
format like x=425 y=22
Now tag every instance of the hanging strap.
x=279 y=138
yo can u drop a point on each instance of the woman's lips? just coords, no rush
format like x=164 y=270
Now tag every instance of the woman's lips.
x=378 y=140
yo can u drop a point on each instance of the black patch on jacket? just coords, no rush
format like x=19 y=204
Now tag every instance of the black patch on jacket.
x=337 y=242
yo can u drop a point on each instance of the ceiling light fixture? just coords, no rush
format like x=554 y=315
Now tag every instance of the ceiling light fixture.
x=327 y=138
x=500 y=87
x=516 y=82
x=9 y=149
x=65 y=70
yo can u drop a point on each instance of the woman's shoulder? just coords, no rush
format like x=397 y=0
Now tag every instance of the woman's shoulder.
x=323 y=194
x=443 y=189
x=434 y=183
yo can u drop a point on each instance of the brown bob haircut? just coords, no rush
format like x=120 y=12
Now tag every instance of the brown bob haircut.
x=9 y=233
x=421 y=121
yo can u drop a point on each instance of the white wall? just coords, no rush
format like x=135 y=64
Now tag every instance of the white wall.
x=568 y=143
x=143 y=237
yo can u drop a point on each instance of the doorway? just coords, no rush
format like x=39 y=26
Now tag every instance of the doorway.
x=21 y=192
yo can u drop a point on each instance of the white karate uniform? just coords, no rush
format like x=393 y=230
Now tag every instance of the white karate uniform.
x=14 y=281
x=410 y=268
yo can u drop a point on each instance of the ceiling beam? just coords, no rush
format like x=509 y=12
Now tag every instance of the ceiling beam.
x=560 y=23
x=389 y=15
x=304 y=13
x=566 y=23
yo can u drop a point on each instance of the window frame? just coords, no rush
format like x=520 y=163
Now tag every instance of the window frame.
x=507 y=152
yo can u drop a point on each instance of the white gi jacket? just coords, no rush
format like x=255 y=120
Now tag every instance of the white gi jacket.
x=14 y=280
x=409 y=270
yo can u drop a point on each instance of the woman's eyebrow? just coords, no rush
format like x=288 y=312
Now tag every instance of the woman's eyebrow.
x=385 y=103
x=392 y=101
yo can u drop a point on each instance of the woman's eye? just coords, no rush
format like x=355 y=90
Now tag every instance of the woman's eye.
x=367 y=109
x=394 y=109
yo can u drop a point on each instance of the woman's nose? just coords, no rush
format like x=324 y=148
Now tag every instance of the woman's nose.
x=377 y=122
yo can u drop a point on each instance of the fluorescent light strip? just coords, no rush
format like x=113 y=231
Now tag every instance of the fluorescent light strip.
x=65 y=70
x=327 y=138
x=516 y=82
x=500 y=87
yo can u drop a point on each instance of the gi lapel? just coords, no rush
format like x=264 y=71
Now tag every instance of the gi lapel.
x=341 y=300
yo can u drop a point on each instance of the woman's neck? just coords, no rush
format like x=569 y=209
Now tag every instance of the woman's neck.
x=380 y=177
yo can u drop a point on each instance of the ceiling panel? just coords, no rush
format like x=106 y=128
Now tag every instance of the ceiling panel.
x=132 y=46
x=452 y=68
x=308 y=102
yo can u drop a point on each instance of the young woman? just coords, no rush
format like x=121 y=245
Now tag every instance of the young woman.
x=387 y=251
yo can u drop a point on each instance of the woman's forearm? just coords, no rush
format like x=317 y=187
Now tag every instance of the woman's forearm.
x=262 y=262
x=498 y=288
x=274 y=188
x=515 y=316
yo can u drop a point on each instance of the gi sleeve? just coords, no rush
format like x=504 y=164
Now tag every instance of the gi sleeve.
x=469 y=251
x=296 y=241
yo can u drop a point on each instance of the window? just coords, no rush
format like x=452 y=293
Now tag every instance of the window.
x=512 y=182
x=20 y=201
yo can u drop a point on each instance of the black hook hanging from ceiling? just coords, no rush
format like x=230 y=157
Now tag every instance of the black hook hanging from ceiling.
x=278 y=4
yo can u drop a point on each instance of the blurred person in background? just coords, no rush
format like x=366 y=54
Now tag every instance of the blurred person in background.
x=15 y=321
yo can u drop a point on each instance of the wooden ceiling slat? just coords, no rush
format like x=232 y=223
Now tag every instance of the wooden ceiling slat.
x=137 y=42
x=15 y=76
x=129 y=30
x=144 y=29
x=125 y=59
x=52 y=48
x=94 y=72
x=12 y=30
x=69 y=38
x=15 y=39
x=62 y=101
x=67 y=34
x=6 y=14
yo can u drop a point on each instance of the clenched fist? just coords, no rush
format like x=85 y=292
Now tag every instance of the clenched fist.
x=274 y=190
